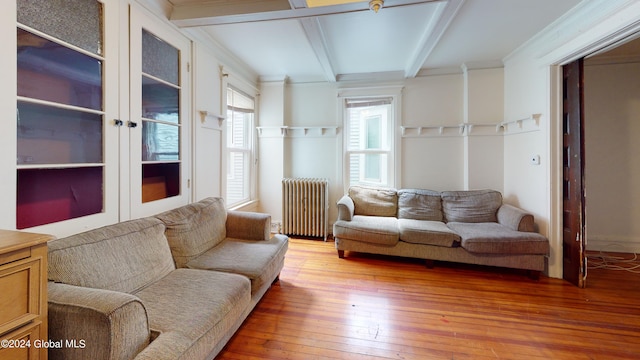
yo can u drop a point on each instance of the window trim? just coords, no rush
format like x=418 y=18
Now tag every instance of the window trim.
x=250 y=149
x=394 y=93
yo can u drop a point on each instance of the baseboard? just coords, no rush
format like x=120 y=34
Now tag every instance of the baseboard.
x=613 y=244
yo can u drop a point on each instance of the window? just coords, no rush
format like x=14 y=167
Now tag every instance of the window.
x=369 y=124
x=240 y=117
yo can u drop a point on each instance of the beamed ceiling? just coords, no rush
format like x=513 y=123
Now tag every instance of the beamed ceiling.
x=406 y=38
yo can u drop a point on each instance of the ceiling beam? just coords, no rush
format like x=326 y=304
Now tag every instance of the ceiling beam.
x=441 y=20
x=317 y=40
x=219 y=12
x=220 y=8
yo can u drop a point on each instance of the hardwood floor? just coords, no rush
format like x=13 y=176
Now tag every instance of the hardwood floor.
x=369 y=307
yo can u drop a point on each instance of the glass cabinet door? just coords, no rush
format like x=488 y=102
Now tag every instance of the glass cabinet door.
x=159 y=116
x=102 y=114
x=62 y=115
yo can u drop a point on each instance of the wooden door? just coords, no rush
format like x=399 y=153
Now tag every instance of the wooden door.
x=574 y=262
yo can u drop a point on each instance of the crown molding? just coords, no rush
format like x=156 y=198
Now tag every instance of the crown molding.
x=578 y=21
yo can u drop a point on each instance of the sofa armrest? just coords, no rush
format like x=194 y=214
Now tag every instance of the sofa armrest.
x=168 y=346
x=515 y=218
x=104 y=324
x=346 y=208
x=248 y=225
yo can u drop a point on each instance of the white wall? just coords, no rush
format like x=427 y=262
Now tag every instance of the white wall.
x=448 y=159
x=484 y=146
x=311 y=155
x=612 y=108
x=8 y=74
x=214 y=68
x=435 y=161
x=433 y=100
x=293 y=143
x=208 y=143
x=271 y=149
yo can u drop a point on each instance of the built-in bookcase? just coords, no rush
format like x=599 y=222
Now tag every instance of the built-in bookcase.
x=60 y=114
x=102 y=113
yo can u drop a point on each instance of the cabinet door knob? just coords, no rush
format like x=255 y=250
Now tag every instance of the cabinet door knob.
x=118 y=122
x=132 y=124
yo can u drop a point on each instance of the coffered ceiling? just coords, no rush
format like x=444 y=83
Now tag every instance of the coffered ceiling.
x=404 y=39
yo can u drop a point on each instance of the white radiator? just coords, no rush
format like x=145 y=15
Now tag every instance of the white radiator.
x=305 y=207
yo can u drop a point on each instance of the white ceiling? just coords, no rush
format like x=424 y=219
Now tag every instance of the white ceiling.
x=285 y=38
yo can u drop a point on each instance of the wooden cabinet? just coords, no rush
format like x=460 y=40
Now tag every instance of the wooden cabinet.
x=23 y=295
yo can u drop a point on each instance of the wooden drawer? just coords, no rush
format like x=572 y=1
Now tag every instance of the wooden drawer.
x=23 y=299
x=15 y=255
x=20 y=282
x=23 y=344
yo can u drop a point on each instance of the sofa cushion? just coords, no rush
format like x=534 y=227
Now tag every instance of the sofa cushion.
x=472 y=206
x=374 y=201
x=200 y=305
x=195 y=228
x=125 y=257
x=260 y=261
x=427 y=232
x=493 y=238
x=419 y=204
x=371 y=229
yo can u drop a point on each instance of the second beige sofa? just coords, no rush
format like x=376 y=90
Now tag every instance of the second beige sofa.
x=473 y=227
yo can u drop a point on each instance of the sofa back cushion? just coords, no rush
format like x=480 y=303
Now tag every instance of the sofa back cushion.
x=195 y=228
x=473 y=206
x=419 y=204
x=125 y=257
x=373 y=201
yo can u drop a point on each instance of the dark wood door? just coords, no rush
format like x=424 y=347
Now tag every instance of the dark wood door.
x=574 y=263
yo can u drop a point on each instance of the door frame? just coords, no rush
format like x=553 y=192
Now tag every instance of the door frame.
x=556 y=61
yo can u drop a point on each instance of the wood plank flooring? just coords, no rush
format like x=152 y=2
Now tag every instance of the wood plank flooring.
x=371 y=307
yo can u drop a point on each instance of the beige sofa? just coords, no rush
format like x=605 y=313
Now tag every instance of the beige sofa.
x=472 y=227
x=173 y=286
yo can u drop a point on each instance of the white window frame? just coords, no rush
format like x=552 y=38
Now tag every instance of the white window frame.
x=390 y=167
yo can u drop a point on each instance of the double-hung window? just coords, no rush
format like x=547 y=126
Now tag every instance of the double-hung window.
x=369 y=124
x=240 y=119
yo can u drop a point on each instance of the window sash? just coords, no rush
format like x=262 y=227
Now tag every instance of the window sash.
x=240 y=143
x=369 y=124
